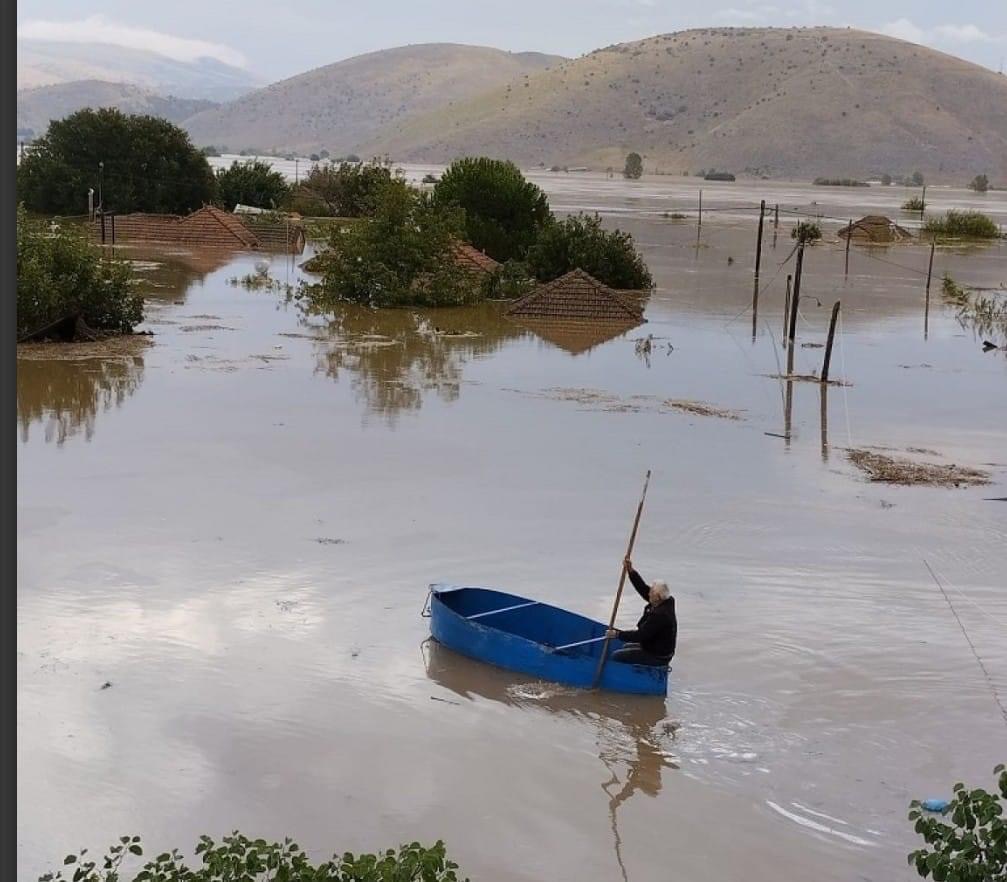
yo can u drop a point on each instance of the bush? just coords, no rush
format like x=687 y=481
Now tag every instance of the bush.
x=914 y=204
x=806 y=232
x=238 y=857
x=841 y=182
x=251 y=183
x=349 y=189
x=396 y=258
x=580 y=241
x=980 y=183
x=962 y=225
x=973 y=847
x=503 y=212
x=634 y=166
x=510 y=281
x=149 y=165
x=60 y=274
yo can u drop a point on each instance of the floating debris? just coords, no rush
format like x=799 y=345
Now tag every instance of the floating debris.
x=701 y=408
x=889 y=470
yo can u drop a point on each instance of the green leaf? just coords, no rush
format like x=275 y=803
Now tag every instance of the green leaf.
x=135 y=849
x=70 y=859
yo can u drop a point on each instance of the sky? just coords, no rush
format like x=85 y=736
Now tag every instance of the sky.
x=274 y=40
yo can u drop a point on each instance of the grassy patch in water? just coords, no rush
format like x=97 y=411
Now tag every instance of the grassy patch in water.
x=961 y=225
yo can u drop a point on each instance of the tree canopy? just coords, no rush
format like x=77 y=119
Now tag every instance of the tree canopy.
x=134 y=163
x=580 y=241
x=504 y=213
x=634 y=166
x=251 y=183
x=349 y=189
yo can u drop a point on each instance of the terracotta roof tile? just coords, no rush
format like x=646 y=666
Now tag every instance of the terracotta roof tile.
x=578 y=296
x=471 y=258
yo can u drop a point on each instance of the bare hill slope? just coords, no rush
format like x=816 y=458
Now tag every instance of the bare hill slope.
x=341 y=106
x=784 y=102
x=36 y=107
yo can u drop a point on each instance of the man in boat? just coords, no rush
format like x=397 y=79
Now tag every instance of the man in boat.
x=653 y=640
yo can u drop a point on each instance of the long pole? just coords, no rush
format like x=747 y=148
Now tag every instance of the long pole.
x=622 y=582
x=849 y=236
x=923 y=201
x=786 y=312
x=795 y=300
x=828 y=343
x=930 y=265
x=758 y=243
x=700 y=223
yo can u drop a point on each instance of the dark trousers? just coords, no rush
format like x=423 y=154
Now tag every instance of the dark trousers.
x=633 y=654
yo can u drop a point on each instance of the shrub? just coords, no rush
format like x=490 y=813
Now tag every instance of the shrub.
x=238 y=857
x=148 y=164
x=973 y=847
x=580 y=241
x=962 y=225
x=914 y=204
x=510 y=281
x=633 y=168
x=60 y=274
x=349 y=189
x=395 y=258
x=503 y=212
x=980 y=183
x=806 y=232
x=251 y=183
x=841 y=182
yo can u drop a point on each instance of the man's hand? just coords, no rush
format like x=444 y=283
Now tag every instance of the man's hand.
x=612 y=633
x=627 y=563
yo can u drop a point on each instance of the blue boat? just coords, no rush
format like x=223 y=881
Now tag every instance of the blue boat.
x=533 y=638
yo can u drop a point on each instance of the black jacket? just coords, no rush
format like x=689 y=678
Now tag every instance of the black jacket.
x=657 y=630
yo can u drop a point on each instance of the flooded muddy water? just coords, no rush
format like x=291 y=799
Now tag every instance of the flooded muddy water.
x=235 y=528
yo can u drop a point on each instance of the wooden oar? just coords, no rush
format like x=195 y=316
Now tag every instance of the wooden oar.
x=622 y=582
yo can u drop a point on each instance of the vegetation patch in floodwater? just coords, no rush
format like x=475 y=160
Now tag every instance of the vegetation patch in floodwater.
x=191 y=328
x=807 y=378
x=889 y=470
x=701 y=408
x=117 y=346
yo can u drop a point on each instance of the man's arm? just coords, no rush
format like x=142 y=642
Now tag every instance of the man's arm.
x=642 y=588
x=651 y=628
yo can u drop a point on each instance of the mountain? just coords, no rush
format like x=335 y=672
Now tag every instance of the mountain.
x=44 y=63
x=799 y=102
x=36 y=107
x=343 y=105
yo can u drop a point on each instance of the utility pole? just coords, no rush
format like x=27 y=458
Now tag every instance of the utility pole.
x=101 y=177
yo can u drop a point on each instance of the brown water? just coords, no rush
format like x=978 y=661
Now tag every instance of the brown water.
x=237 y=527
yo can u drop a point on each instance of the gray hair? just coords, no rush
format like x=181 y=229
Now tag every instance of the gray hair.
x=660 y=588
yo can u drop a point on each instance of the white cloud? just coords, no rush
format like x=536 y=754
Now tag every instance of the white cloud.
x=904 y=29
x=98 y=29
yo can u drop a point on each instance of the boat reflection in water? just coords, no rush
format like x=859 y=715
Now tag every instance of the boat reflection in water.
x=634 y=737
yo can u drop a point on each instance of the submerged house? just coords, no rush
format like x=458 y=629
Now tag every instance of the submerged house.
x=875 y=229
x=576 y=312
x=208 y=227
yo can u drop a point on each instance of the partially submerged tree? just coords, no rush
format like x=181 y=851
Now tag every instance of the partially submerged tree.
x=252 y=182
x=580 y=241
x=504 y=213
x=962 y=225
x=133 y=163
x=806 y=232
x=398 y=257
x=349 y=189
x=62 y=276
x=633 y=168
x=980 y=183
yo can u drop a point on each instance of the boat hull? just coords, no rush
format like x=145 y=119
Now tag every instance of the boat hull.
x=522 y=635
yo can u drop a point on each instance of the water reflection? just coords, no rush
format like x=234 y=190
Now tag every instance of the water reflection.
x=164 y=272
x=633 y=737
x=576 y=337
x=64 y=396
x=396 y=357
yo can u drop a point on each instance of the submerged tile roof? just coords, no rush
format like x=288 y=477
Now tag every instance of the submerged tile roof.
x=580 y=297
x=470 y=258
x=575 y=336
x=875 y=228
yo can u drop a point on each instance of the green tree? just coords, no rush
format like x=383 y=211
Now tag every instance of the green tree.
x=237 y=857
x=980 y=183
x=580 y=241
x=398 y=257
x=251 y=183
x=634 y=166
x=349 y=189
x=973 y=847
x=503 y=211
x=806 y=232
x=61 y=274
x=134 y=163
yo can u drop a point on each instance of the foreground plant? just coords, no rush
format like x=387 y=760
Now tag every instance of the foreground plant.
x=60 y=274
x=973 y=847
x=237 y=857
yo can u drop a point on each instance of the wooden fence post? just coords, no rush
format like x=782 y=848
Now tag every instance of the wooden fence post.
x=849 y=235
x=795 y=299
x=700 y=223
x=758 y=244
x=930 y=265
x=828 y=343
